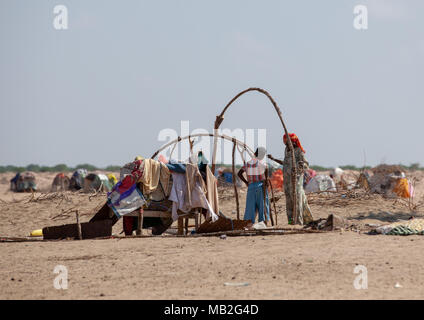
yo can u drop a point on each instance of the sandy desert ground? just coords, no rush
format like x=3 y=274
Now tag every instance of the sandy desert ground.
x=298 y=266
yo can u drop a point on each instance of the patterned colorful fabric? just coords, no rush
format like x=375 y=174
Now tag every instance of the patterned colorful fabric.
x=303 y=211
x=403 y=228
x=255 y=170
x=124 y=200
x=125 y=197
x=134 y=169
x=295 y=140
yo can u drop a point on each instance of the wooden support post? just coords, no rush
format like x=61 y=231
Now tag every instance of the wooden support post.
x=139 y=231
x=275 y=208
x=78 y=225
x=186 y=226
x=196 y=220
x=180 y=226
x=234 y=181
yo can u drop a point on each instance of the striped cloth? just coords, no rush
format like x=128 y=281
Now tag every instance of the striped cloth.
x=124 y=201
x=408 y=227
x=255 y=170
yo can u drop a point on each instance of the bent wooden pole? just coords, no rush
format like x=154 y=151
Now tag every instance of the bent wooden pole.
x=221 y=136
x=275 y=208
x=220 y=118
x=234 y=180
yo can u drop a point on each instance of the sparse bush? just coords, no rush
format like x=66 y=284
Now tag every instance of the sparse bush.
x=414 y=166
x=88 y=167
x=60 y=168
x=319 y=168
x=33 y=167
x=349 y=167
x=112 y=168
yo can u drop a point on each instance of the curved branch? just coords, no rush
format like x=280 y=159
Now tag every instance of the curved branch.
x=222 y=136
x=220 y=118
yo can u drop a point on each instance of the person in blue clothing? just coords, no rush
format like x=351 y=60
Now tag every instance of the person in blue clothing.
x=257 y=195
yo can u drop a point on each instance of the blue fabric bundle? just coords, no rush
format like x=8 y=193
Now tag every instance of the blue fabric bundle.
x=175 y=166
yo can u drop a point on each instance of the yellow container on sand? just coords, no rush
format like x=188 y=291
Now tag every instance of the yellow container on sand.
x=37 y=233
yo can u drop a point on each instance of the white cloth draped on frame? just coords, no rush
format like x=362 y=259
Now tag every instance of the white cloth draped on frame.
x=179 y=195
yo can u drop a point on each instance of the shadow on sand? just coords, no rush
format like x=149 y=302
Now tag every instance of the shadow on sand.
x=386 y=216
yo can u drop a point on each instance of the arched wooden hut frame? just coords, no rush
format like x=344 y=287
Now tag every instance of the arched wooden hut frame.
x=220 y=118
x=215 y=136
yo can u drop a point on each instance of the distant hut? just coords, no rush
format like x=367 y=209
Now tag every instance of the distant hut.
x=60 y=183
x=23 y=182
x=97 y=182
x=390 y=181
x=383 y=176
x=77 y=180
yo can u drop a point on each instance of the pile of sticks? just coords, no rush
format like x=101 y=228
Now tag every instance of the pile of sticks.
x=50 y=197
x=65 y=214
x=339 y=198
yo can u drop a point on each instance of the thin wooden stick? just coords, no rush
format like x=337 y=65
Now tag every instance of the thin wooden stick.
x=221 y=136
x=275 y=208
x=234 y=181
x=186 y=225
x=180 y=226
x=173 y=148
x=196 y=220
x=242 y=233
x=78 y=225
x=140 y=222
x=261 y=232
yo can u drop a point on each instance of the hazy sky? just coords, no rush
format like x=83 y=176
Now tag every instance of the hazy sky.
x=102 y=90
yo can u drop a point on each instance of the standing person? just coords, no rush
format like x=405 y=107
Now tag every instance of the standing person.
x=304 y=215
x=256 y=172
